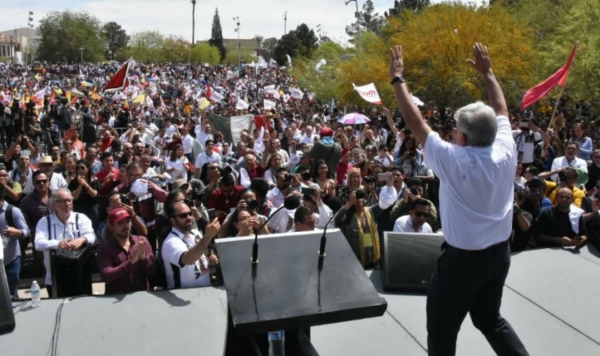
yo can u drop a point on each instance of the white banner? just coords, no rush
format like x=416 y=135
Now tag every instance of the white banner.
x=216 y=96
x=289 y=60
x=286 y=98
x=268 y=104
x=241 y=105
x=296 y=93
x=369 y=93
x=321 y=63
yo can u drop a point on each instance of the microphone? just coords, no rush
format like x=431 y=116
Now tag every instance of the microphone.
x=291 y=202
x=323 y=238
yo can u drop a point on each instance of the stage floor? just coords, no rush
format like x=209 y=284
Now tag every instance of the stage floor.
x=551 y=298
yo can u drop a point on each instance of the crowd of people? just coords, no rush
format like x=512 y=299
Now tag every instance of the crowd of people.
x=143 y=179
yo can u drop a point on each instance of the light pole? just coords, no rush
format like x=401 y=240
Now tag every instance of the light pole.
x=81 y=50
x=29 y=25
x=193 y=20
x=357 y=14
x=237 y=29
x=285 y=23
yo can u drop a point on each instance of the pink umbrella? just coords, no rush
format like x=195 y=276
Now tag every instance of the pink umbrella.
x=354 y=119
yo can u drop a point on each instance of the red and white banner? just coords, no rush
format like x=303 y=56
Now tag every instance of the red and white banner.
x=241 y=104
x=296 y=93
x=120 y=80
x=369 y=93
x=216 y=96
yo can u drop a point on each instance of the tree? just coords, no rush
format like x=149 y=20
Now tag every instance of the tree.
x=366 y=20
x=268 y=48
x=175 y=49
x=300 y=42
x=216 y=38
x=64 y=33
x=436 y=42
x=116 y=38
x=205 y=53
x=146 y=46
x=408 y=5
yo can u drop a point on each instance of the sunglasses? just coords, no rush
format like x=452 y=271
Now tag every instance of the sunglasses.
x=41 y=181
x=184 y=215
x=421 y=214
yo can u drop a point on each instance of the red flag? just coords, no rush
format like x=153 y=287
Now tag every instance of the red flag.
x=120 y=80
x=208 y=92
x=558 y=78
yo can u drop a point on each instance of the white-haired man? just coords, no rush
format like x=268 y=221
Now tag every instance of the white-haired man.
x=471 y=273
x=62 y=230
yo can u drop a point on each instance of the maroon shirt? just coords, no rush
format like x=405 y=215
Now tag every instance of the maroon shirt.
x=117 y=271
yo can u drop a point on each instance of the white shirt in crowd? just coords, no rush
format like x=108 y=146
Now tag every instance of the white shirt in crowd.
x=405 y=224
x=527 y=144
x=470 y=221
x=177 y=274
x=204 y=158
x=187 y=142
x=561 y=162
x=309 y=140
x=389 y=195
x=202 y=136
x=78 y=225
x=179 y=172
x=56 y=181
x=170 y=130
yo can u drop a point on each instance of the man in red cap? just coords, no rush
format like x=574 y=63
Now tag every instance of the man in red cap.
x=125 y=261
x=326 y=149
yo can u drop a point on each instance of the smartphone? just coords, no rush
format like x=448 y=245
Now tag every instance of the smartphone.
x=383 y=177
x=308 y=191
x=212 y=214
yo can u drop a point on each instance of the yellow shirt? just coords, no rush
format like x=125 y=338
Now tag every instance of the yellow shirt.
x=552 y=190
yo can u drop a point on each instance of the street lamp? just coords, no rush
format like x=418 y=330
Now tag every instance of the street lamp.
x=357 y=22
x=237 y=29
x=29 y=25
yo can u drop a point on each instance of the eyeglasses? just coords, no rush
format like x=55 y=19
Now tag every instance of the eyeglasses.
x=41 y=181
x=63 y=201
x=421 y=214
x=184 y=215
x=81 y=167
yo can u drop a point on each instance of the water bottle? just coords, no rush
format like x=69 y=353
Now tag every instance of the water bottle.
x=35 y=295
x=277 y=343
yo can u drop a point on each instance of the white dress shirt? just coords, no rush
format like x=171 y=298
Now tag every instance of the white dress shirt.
x=476 y=188
x=187 y=142
x=405 y=224
x=561 y=162
x=45 y=240
x=389 y=195
x=204 y=158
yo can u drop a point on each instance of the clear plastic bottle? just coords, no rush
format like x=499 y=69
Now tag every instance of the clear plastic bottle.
x=277 y=343
x=36 y=298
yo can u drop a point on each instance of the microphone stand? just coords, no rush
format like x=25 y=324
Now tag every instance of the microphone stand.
x=288 y=204
x=324 y=239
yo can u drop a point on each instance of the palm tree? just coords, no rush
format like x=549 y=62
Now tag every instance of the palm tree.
x=193 y=20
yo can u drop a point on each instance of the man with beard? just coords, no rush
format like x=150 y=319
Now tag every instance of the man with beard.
x=283 y=180
x=183 y=252
x=125 y=261
x=562 y=225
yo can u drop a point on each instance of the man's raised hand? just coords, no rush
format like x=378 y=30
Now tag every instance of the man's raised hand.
x=482 y=62
x=396 y=62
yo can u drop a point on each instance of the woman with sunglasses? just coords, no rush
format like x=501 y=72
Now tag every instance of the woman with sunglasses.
x=85 y=188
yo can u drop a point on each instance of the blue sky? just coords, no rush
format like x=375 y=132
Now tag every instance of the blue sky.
x=257 y=17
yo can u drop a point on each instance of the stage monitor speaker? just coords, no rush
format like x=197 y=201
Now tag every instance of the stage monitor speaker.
x=408 y=260
x=7 y=316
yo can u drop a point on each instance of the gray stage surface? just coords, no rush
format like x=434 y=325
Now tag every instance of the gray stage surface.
x=551 y=299
x=141 y=323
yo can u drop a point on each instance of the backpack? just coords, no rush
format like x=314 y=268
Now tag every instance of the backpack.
x=9 y=216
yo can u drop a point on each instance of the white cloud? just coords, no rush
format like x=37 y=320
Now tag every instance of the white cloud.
x=259 y=17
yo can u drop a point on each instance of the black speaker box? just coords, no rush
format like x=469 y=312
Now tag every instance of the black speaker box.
x=7 y=316
x=409 y=260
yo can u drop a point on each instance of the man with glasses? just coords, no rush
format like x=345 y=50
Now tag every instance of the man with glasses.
x=138 y=150
x=416 y=221
x=56 y=180
x=304 y=220
x=62 y=230
x=570 y=159
x=184 y=250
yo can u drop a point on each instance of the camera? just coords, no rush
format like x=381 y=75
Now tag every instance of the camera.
x=252 y=204
x=414 y=191
x=288 y=177
x=369 y=180
x=230 y=160
x=360 y=194
x=306 y=176
x=198 y=194
x=125 y=199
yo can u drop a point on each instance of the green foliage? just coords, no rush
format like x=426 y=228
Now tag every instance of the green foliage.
x=300 y=42
x=145 y=46
x=116 y=38
x=205 y=53
x=268 y=48
x=366 y=20
x=64 y=33
x=216 y=37
x=407 y=5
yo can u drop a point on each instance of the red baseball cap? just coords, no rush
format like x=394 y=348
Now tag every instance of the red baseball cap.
x=117 y=215
x=326 y=131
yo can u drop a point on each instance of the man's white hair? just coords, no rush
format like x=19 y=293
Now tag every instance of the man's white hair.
x=478 y=122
